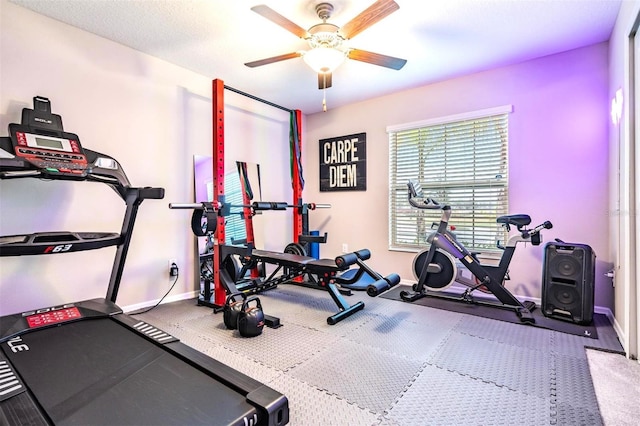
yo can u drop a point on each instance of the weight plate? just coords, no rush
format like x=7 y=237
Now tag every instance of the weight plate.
x=233 y=267
x=295 y=248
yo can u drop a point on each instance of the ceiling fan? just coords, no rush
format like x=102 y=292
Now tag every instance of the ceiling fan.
x=327 y=41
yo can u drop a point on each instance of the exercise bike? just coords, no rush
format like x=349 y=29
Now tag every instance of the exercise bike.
x=436 y=268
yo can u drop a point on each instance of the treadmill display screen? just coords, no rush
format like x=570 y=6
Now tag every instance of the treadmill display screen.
x=53 y=317
x=49 y=143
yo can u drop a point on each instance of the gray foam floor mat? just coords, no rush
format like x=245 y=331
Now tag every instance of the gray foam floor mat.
x=396 y=363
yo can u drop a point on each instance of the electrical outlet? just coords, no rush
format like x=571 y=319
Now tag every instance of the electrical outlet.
x=345 y=248
x=173 y=270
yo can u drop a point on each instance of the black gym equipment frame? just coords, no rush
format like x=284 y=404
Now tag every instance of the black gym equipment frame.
x=435 y=267
x=291 y=264
x=89 y=363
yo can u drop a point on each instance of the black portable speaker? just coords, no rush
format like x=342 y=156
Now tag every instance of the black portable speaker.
x=568 y=282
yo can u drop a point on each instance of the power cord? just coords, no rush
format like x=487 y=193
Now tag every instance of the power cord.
x=174 y=271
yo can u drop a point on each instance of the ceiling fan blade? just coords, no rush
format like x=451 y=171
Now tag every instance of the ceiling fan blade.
x=266 y=12
x=273 y=59
x=371 y=15
x=376 y=59
x=324 y=80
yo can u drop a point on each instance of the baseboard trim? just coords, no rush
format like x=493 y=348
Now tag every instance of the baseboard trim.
x=168 y=299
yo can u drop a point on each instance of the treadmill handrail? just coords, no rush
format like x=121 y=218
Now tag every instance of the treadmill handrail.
x=102 y=169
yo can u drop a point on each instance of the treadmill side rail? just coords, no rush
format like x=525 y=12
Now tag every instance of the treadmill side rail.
x=272 y=406
x=273 y=403
x=17 y=406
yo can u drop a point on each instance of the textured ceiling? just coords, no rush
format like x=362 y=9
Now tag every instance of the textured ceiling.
x=439 y=39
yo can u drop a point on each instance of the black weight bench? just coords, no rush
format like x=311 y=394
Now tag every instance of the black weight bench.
x=374 y=284
x=295 y=266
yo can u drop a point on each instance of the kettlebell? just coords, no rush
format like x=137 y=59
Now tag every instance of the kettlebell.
x=251 y=318
x=232 y=308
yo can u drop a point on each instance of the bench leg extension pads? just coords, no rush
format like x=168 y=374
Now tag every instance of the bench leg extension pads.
x=346 y=310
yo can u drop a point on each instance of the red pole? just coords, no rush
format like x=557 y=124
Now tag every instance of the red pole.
x=218 y=183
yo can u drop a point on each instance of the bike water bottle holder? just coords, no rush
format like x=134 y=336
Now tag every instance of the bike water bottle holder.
x=536 y=239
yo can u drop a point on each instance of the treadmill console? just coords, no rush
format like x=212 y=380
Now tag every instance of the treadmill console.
x=50 y=316
x=46 y=152
x=41 y=141
x=39 y=147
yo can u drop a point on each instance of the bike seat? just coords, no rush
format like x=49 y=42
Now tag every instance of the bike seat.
x=515 y=219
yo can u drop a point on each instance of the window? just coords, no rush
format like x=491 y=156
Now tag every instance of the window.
x=234 y=227
x=461 y=161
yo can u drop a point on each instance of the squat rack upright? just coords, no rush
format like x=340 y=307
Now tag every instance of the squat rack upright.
x=295 y=137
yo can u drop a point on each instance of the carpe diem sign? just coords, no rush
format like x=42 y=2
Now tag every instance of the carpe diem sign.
x=343 y=163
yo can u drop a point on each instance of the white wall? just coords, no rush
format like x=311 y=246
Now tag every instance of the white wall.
x=622 y=180
x=151 y=116
x=558 y=167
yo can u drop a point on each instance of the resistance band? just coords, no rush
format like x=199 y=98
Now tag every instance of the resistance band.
x=244 y=179
x=294 y=142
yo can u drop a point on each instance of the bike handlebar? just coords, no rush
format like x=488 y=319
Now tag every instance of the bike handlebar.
x=534 y=232
x=426 y=203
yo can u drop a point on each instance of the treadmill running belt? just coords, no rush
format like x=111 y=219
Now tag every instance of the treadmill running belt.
x=97 y=372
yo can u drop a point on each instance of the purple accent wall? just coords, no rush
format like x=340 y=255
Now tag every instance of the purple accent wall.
x=558 y=158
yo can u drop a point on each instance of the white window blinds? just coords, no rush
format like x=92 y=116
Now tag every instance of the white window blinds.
x=461 y=162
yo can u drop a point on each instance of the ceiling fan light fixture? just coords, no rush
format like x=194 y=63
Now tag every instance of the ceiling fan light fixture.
x=324 y=59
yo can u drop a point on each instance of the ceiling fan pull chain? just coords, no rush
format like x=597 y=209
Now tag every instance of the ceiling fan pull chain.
x=324 y=93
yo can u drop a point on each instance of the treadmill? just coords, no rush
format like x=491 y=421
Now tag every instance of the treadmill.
x=88 y=363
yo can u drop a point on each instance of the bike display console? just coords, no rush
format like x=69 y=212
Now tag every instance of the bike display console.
x=87 y=362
